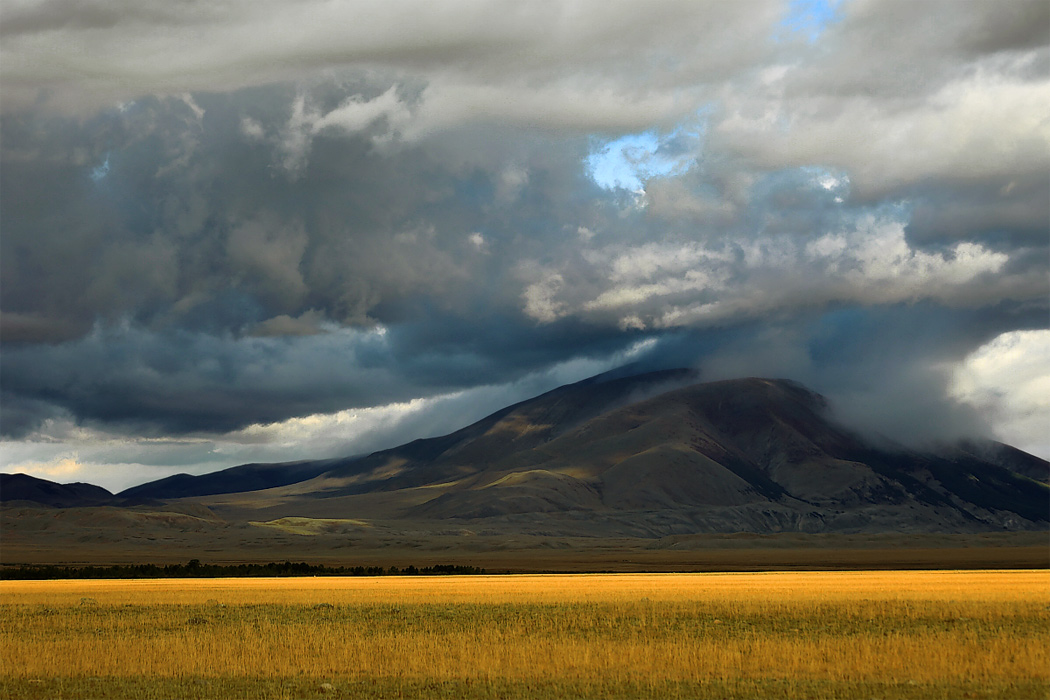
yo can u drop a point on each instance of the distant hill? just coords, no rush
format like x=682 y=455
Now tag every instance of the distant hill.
x=22 y=487
x=247 y=477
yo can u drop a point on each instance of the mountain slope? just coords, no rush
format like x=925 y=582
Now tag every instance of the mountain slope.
x=513 y=430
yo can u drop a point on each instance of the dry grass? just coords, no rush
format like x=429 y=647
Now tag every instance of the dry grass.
x=834 y=634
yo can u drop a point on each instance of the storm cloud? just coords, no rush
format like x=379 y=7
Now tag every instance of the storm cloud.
x=222 y=217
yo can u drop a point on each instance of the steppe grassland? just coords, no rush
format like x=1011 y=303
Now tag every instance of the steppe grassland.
x=924 y=634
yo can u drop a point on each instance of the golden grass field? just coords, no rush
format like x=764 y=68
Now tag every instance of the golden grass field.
x=921 y=634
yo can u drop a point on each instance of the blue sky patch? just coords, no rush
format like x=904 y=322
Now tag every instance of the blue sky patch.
x=810 y=17
x=627 y=162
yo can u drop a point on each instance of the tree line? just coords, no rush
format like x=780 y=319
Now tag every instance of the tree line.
x=195 y=569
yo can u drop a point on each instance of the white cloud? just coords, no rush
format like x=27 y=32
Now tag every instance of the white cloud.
x=1008 y=379
x=988 y=124
x=357 y=113
x=539 y=297
x=328 y=433
x=198 y=112
x=666 y=285
x=252 y=129
x=354 y=114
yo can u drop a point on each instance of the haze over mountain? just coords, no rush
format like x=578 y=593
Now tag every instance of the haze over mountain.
x=647 y=455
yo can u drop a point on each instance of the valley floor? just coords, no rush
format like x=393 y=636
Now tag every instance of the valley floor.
x=62 y=537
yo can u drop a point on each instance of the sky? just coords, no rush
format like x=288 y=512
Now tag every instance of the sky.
x=254 y=230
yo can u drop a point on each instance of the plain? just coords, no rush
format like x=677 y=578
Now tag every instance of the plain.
x=791 y=634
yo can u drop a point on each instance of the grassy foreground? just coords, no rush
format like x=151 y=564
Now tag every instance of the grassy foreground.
x=942 y=634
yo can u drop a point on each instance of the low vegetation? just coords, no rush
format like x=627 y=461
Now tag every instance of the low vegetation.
x=195 y=569
x=804 y=634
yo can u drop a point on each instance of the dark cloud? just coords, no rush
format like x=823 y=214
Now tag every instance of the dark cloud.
x=1010 y=215
x=21 y=415
x=174 y=382
x=182 y=381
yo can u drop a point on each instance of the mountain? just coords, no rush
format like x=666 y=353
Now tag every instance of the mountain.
x=22 y=487
x=656 y=454
x=646 y=455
